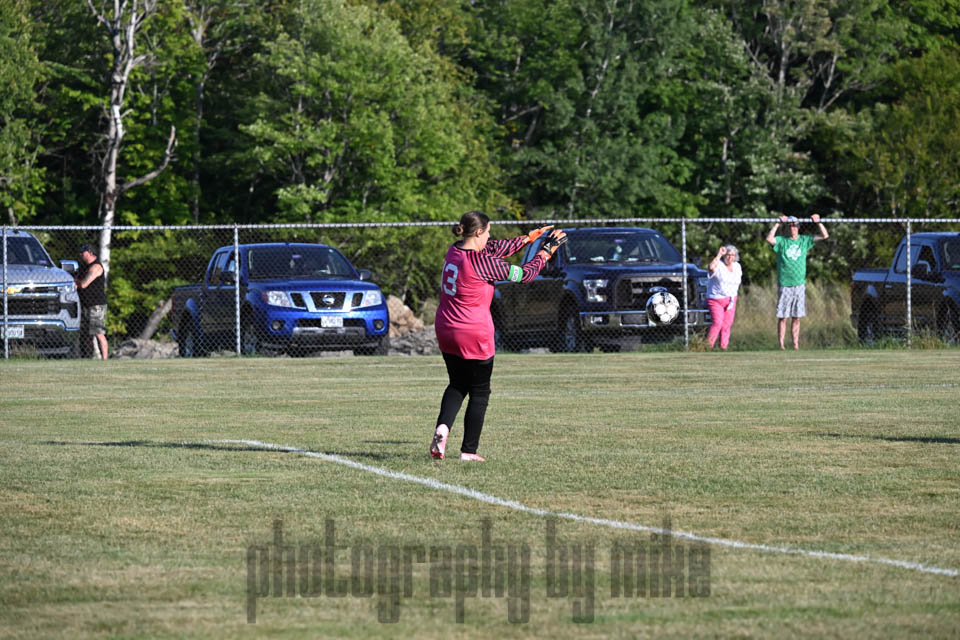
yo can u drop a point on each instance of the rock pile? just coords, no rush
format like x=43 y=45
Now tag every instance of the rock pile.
x=402 y=318
x=408 y=335
x=415 y=343
x=136 y=348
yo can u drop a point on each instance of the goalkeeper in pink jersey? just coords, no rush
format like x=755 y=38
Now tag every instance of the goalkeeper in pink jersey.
x=464 y=325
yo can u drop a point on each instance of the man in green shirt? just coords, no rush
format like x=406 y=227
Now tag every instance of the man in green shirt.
x=791 y=253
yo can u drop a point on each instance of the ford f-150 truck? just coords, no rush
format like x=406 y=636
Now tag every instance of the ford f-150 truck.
x=294 y=297
x=878 y=297
x=42 y=307
x=593 y=293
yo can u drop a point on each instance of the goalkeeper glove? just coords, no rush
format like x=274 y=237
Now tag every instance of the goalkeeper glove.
x=553 y=242
x=536 y=233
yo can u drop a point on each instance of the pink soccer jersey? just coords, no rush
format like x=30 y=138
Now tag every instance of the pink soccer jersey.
x=464 y=325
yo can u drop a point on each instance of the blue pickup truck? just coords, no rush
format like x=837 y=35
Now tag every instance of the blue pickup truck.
x=878 y=297
x=294 y=298
x=593 y=293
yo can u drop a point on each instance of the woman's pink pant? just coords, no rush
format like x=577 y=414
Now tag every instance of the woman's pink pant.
x=722 y=311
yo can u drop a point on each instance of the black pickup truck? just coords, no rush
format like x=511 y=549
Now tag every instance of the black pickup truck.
x=878 y=297
x=593 y=293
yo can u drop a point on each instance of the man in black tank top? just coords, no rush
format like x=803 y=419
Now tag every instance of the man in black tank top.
x=91 y=290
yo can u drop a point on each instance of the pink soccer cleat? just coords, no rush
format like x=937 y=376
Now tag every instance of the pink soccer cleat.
x=471 y=457
x=439 y=444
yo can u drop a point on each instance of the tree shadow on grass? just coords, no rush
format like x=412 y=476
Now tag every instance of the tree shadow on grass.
x=226 y=446
x=918 y=439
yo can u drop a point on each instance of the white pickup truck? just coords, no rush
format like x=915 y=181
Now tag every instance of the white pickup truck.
x=39 y=307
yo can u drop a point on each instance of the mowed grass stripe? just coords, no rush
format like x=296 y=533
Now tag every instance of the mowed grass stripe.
x=110 y=526
x=615 y=524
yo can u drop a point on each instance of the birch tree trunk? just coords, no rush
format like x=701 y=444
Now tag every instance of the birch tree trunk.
x=122 y=21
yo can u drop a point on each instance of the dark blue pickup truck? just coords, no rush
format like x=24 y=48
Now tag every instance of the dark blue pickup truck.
x=294 y=298
x=593 y=293
x=878 y=297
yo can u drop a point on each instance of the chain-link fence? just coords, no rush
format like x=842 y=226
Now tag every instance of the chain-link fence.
x=373 y=289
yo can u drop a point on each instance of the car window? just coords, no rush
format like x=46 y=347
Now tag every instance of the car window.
x=620 y=247
x=951 y=254
x=901 y=266
x=218 y=263
x=918 y=252
x=297 y=262
x=26 y=251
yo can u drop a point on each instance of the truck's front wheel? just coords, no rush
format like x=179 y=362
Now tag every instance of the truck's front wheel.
x=382 y=348
x=571 y=336
x=187 y=342
x=868 y=325
x=948 y=324
x=249 y=338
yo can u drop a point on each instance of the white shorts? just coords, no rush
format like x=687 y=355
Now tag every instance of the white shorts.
x=791 y=302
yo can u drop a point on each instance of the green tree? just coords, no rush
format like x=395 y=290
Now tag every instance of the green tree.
x=68 y=45
x=585 y=98
x=907 y=154
x=930 y=24
x=356 y=125
x=83 y=139
x=21 y=179
x=123 y=25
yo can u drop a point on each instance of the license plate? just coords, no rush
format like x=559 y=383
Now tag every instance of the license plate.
x=13 y=331
x=331 y=321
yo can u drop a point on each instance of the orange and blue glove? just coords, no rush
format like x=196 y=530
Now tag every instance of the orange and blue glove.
x=536 y=233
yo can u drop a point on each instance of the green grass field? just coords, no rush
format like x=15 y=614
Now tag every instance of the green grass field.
x=124 y=514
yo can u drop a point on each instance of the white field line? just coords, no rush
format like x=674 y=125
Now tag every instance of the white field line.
x=615 y=524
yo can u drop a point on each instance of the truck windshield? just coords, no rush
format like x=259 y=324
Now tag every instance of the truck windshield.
x=621 y=247
x=26 y=251
x=297 y=263
x=951 y=254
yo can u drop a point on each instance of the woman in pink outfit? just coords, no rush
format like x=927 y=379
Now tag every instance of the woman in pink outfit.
x=722 y=287
x=464 y=325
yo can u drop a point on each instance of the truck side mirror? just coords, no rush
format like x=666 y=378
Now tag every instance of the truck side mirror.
x=365 y=274
x=70 y=266
x=921 y=270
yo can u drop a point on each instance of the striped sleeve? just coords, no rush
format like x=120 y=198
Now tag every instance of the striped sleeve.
x=493 y=269
x=505 y=248
x=489 y=267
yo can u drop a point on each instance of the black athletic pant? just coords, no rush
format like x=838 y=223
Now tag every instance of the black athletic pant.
x=467 y=378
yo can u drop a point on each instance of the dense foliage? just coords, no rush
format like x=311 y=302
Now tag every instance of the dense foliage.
x=400 y=110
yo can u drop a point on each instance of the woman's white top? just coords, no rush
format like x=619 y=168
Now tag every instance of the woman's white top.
x=723 y=282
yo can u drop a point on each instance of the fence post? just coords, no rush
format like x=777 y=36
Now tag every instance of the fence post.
x=236 y=286
x=686 y=292
x=909 y=290
x=6 y=320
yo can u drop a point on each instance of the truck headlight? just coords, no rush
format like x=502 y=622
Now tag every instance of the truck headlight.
x=371 y=298
x=277 y=298
x=66 y=289
x=593 y=288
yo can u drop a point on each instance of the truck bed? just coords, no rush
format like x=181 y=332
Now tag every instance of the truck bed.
x=870 y=275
